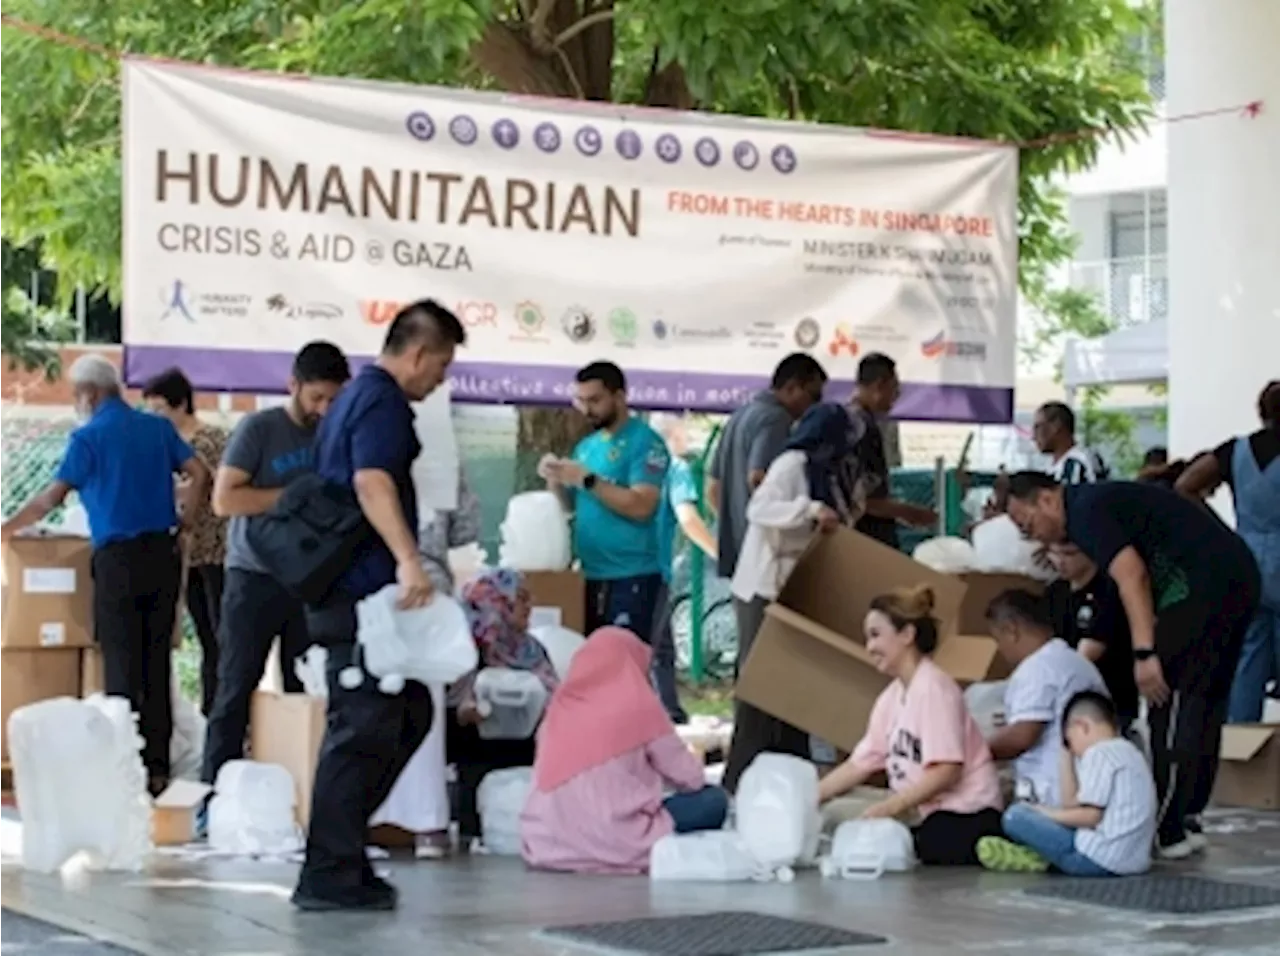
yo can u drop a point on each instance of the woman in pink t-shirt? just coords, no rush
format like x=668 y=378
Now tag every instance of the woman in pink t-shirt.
x=607 y=757
x=923 y=737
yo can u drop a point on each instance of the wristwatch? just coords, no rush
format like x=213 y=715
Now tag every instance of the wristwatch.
x=1143 y=653
x=588 y=481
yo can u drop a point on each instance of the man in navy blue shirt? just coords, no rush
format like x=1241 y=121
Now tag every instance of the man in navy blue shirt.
x=121 y=462
x=367 y=443
x=1189 y=586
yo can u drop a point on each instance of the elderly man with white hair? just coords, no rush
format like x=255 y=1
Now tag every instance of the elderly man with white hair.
x=121 y=462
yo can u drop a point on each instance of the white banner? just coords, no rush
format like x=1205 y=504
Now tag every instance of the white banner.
x=263 y=212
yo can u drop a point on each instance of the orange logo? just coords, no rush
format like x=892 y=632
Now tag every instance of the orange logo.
x=843 y=341
x=470 y=314
x=379 y=311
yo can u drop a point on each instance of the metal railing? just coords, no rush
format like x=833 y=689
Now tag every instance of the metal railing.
x=1130 y=291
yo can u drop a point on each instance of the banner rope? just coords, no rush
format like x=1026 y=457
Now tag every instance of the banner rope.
x=1249 y=110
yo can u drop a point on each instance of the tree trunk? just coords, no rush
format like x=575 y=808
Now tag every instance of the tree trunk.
x=525 y=58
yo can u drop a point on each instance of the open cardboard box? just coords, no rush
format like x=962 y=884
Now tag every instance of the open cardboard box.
x=559 y=598
x=809 y=665
x=1249 y=774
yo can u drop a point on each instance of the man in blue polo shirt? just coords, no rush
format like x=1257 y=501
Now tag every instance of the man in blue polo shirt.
x=121 y=462
x=367 y=443
x=613 y=484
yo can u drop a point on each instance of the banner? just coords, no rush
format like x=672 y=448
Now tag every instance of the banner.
x=695 y=251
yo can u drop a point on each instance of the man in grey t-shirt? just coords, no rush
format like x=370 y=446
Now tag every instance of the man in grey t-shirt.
x=267 y=451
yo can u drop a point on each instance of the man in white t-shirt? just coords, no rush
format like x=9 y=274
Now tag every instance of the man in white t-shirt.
x=1107 y=821
x=1046 y=674
x=1054 y=431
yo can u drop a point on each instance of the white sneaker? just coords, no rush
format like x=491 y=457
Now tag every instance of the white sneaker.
x=1199 y=842
x=1177 y=851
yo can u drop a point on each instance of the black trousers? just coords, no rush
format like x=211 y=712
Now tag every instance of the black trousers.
x=135 y=600
x=368 y=739
x=754 y=731
x=1198 y=642
x=951 y=839
x=255 y=609
x=475 y=757
x=204 y=604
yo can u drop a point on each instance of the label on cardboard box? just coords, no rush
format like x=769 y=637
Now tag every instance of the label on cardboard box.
x=49 y=580
x=545 y=617
x=53 y=634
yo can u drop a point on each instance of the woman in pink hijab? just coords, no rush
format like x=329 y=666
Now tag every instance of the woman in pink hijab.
x=607 y=753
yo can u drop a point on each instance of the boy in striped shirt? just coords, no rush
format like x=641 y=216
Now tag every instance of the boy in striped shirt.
x=1107 y=821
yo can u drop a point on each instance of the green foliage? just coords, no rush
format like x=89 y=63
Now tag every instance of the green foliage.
x=29 y=331
x=1018 y=70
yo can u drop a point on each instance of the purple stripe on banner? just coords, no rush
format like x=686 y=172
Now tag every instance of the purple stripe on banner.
x=490 y=383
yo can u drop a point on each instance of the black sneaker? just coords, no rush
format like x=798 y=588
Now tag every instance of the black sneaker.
x=372 y=897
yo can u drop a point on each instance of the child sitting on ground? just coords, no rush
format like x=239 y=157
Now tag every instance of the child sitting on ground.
x=1107 y=821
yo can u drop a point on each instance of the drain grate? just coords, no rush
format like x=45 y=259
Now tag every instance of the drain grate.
x=711 y=934
x=1184 y=895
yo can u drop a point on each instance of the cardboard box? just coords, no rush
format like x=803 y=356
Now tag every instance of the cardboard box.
x=173 y=814
x=1249 y=775
x=48 y=592
x=983 y=588
x=809 y=665
x=558 y=591
x=29 y=676
x=287 y=729
x=91 y=677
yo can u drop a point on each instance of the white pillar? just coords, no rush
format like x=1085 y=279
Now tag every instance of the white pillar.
x=1224 y=217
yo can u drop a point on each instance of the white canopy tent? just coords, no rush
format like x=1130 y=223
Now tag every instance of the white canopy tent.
x=1136 y=355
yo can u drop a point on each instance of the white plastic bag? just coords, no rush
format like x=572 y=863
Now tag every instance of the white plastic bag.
x=81 y=785
x=466 y=563
x=714 y=856
x=510 y=703
x=430 y=644
x=311 y=669
x=186 y=746
x=1001 y=549
x=777 y=812
x=864 y=849
x=986 y=703
x=946 y=555
x=561 y=644
x=500 y=800
x=251 y=812
x=535 y=534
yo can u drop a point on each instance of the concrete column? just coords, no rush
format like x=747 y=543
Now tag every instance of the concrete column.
x=1224 y=217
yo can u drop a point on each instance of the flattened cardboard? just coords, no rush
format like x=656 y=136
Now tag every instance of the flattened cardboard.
x=28 y=676
x=47 y=599
x=983 y=589
x=287 y=729
x=1249 y=774
x=173 y=814
x=809 y=665
x=564 y=590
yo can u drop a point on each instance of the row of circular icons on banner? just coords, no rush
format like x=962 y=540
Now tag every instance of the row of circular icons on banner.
x=590 y=142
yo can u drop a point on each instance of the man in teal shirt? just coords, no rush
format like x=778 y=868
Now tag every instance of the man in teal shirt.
x=613 y=484
x=677 y=514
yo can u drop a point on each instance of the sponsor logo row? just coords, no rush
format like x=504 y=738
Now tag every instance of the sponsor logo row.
x=529 y=321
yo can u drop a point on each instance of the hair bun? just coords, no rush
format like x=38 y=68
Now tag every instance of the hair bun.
x=921 y=600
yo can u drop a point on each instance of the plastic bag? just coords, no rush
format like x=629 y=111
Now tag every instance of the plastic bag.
x=466 y=563
x=535 y=534
x=510 y=702
x=777 y=812
x=864 y=849
x=251 y=812
x=1001 y=548
x=714 y=856
x=561 y=644
x=311 y=669
x=186 y=746
x=946 y=555
x=500 y=800
x=430 y=644
x=81 y=785
x=986 y=703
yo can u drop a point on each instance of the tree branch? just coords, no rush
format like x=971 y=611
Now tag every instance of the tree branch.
x=504 y=53
x=586 y=23
x=670 y=89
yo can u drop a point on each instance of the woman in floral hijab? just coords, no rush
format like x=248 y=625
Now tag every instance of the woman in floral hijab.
x=498 y=604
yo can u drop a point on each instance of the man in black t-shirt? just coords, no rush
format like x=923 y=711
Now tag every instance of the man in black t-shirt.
x=1088 y=615
x=1189 y=586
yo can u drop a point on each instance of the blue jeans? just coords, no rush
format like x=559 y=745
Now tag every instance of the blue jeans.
x=1050 y=839
x=664 y=659
x=1259 y=663
x=703 y=809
